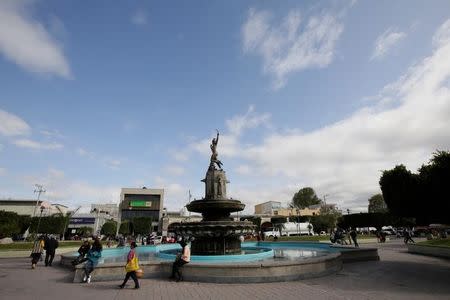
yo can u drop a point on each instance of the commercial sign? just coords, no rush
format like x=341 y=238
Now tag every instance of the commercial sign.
x=140 y=203
x=82 y=221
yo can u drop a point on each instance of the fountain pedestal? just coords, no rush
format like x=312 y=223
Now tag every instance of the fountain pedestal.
x=217 y=233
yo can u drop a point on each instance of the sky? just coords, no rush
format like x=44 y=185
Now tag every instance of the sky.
x=323 y=94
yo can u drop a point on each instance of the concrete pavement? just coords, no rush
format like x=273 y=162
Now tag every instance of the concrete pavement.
x=398 y=275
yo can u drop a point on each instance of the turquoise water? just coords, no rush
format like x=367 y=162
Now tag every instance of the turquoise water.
x=251 y=251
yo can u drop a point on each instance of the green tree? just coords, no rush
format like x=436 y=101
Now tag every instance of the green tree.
x=142 y=225
x=50 y=224
x=255 y=220
x=125 y=228
x=9 y=224
x=109 y=228
x=278 y=223
x=85 y=231
x=326 y=220
x=422 y=195
x=304 y=198
x=377 y=204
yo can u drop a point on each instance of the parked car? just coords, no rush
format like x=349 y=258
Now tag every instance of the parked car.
x=155 y=240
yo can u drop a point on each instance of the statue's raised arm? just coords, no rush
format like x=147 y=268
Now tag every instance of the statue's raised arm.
x=214 y=154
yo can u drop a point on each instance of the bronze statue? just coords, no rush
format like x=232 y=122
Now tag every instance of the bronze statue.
x=214 y=154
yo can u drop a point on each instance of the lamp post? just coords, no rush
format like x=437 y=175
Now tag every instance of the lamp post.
x=39 y=221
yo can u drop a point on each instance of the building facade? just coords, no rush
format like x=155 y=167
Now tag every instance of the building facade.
x=32 y=208
x=142 y=202
x=110 y=210
x=267 y=208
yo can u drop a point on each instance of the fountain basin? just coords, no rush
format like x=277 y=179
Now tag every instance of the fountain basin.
x=289 y=261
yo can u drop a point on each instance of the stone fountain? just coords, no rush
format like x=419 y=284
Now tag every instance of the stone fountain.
x=217 y=233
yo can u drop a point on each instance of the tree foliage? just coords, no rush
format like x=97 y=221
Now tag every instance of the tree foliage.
x=326 y=220
x=304 y=198
x=85 y=231
x=12 y=224
x=377 y=204
x=54 y=224
x=423 y=195
x=125 y=228
x=142 y=225
x=255 y=220
x=278 y=223
x=109 y=228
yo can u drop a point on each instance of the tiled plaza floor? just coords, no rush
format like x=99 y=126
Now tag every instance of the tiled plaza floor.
x=398 y=275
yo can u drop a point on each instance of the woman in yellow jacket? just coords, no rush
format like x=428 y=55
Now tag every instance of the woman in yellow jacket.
x=131 y=267
x=36 y=252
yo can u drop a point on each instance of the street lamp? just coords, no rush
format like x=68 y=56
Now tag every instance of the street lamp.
x=39 y=221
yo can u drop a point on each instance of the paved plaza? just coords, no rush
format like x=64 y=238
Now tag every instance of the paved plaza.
x=398 y=275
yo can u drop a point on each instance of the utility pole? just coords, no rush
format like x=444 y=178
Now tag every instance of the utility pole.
x=39 y=189
x=325 y=199
x=190 y=196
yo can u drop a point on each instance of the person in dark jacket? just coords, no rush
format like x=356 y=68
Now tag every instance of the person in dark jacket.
x=354 y=236
x=82 y=251
x=182 y=258
x=50 y=248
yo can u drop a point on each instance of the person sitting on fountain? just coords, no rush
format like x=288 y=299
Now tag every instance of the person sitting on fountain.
x=182 y=258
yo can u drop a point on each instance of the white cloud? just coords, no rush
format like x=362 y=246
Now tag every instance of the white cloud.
x=52 y=133
x=113 y=164
x=12 y=125
x=247 y=121
x=3 y=171
x=408 y=122
x=179 y=156
x=174 y=170
x=345 y=159
x=293 y=45
x=30 y=144
x=175 y=194
x=72 y=192
x=243 y=169
x=386 y=42
x=26 y=42
x=236 y=126
x=442 y=35
x=139 y=18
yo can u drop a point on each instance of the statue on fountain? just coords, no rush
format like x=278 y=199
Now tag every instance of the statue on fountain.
x=217 y=233
x=214 y=161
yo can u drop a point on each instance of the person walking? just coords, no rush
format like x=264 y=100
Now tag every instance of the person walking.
x=36 y=251
x=50 y=248
x=183 y=258
x=408 y=236
x=131 y=267
x=354 y=236
x=93 y=257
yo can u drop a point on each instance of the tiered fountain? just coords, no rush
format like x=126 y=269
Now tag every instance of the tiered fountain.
x=217 y=233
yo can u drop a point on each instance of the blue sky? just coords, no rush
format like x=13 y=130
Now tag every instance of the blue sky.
x=321 y=94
